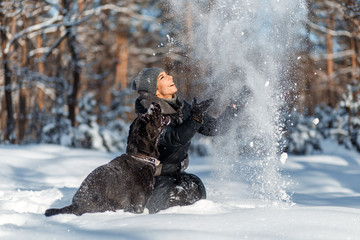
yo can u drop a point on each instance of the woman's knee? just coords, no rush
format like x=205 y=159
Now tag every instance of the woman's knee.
x=189 y=189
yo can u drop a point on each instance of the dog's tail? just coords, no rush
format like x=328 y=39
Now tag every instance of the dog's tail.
x=54 y=211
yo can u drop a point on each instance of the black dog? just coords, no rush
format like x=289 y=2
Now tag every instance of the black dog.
x=127 y=181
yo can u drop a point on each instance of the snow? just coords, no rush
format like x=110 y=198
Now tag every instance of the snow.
x=35 y=177
x=283 y=157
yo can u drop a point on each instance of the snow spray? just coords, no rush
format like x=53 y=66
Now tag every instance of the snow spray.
x=246 y=42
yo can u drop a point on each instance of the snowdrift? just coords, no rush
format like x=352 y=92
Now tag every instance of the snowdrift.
x=326 y=196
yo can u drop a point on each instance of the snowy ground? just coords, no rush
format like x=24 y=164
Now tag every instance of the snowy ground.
x=33 y=178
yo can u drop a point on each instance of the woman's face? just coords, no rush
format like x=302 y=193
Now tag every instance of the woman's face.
x=165 y=86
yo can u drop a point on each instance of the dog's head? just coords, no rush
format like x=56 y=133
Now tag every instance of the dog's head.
x=155 y=118
x=145 y=131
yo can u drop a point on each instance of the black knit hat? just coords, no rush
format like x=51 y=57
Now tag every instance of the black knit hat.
x=146 y=80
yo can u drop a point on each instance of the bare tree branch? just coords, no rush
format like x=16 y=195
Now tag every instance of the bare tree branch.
x=55 y=45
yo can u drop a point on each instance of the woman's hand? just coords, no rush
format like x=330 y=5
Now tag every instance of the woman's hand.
x=198 y=109
x=242 y=99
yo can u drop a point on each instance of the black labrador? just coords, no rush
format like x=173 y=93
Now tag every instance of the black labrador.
x=127 y=181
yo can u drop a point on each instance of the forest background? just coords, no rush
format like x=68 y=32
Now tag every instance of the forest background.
x=67 y=66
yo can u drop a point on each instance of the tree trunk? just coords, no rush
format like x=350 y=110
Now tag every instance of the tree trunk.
x=354 y=64
x=354 y=44
x=10 y=122
x=22 y=119
x=81 y=5
x=2 y=113
x=75 y=66
x=40 y=97
x=330 y=22
x=76 y=70
x=122 y=59
x=189 y=63
x=22 y=122
x=3 y=105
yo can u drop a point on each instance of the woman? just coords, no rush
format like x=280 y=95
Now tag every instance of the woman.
x=174 y=187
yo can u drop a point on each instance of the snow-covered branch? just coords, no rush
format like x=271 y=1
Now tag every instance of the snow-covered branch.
x=342 y=71
x=30 y=29
x=338 y=33
x=113 y=7
x=53 y=4
x=342 y=54
x=74 y=20
x=335 y=75
x=37 y=51
x=334 y=5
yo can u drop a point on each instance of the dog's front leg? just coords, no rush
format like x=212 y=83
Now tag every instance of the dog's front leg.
x=137 y=203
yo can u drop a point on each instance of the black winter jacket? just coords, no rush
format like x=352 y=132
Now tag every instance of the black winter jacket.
x=176 y=138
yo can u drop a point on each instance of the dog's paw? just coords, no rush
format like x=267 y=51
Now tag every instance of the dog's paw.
x=139 y=209
x=134 y=209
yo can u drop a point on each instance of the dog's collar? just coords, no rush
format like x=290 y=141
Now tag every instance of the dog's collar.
x=145 y=158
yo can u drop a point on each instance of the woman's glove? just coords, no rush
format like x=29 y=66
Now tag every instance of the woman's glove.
x=198 y=109
x=241 y=100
